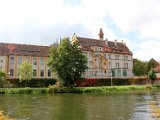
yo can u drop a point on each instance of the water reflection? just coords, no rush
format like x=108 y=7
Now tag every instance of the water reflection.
x=127 y=106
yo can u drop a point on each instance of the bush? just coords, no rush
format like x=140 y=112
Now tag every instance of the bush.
x=2 y=79
x=33 y=82
x=4 y=117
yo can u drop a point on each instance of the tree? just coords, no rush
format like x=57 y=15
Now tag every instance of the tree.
x=139 y=67
x=25 y=72
x=152 y=75
x=152 y=64
x=2 y=79
x=68 y=62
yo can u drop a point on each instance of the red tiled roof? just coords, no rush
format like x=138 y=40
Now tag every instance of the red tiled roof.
x=23 y=49
x=120 y=48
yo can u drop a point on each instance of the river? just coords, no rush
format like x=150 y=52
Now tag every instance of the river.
x=116 y=106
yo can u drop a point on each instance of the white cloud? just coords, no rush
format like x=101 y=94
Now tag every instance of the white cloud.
x=45 y=21
x=145 y=50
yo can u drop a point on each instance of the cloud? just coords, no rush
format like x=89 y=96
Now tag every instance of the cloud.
x=45 y=21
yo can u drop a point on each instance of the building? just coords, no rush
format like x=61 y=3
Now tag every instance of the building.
x=12 y=55
x=106 y=58
x=157 y=70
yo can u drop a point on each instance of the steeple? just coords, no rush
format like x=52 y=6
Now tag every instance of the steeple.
x=101 y=34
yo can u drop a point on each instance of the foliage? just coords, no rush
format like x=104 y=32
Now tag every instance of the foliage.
x=2 y=79
x=102 y=82
x=25 y=72
x=33 y=83
x=67 y=62
x=4 y=117
x=152 y=75
x=139 y=68
x=152 y=64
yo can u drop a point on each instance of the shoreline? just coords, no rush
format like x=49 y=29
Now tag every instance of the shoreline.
x=98 y=89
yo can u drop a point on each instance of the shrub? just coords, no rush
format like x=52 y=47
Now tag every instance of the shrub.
x=4 y=117
x=2 y=79
x=33 y=82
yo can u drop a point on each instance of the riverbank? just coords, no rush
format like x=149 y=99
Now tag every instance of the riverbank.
x=101 y=89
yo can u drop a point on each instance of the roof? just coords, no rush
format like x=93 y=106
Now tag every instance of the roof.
x=23 y=49
x=119 y=47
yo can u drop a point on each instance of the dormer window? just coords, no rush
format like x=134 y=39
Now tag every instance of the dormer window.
x=99 y=49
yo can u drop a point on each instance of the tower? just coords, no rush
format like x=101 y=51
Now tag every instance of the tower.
x=101 y=34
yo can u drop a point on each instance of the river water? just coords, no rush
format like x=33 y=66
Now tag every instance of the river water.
x=116 y=106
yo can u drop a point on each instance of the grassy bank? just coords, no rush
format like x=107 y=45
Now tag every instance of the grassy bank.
x=24 y=90
x=102 y=89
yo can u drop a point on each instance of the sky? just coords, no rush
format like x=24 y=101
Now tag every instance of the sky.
x=43 y=22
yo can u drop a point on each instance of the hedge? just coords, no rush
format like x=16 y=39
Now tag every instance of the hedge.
x=115 y=81
x=32 y=83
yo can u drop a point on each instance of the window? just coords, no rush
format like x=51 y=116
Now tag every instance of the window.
x=49 y=73
x=11 y=72
x=118 y=73
x=90 y=63
x=125 y=57
x=125 y=65
x=110 y=65
x=34 y=72
x=42 y=61
x=34 y=61
x=113 y=73
x=109 y=56
x=117 y=65
x=11 y=60
x=105 y=56
x=117 y=57
x=124 y=72
x=99 y=48
x=42 y=73
x=19 y=60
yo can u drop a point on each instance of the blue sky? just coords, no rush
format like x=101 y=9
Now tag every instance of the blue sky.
x=42 y=22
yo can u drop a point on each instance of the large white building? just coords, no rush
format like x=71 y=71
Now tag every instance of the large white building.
x=106 y=58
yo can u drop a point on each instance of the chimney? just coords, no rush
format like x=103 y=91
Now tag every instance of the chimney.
x=101 y=34
x=123 y=42
x=106 y=42
x=115 y=42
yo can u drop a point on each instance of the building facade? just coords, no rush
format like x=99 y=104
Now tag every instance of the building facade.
x=12 y=56
x=106 y=58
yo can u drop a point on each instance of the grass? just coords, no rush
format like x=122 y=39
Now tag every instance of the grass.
x=101 y=89
x=24 y=90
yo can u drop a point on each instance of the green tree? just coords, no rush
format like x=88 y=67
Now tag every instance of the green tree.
x=152 y=75
x=139 y=67
x=152 y=64
x=2 y=79
x=25 y=72
x=67 y=62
